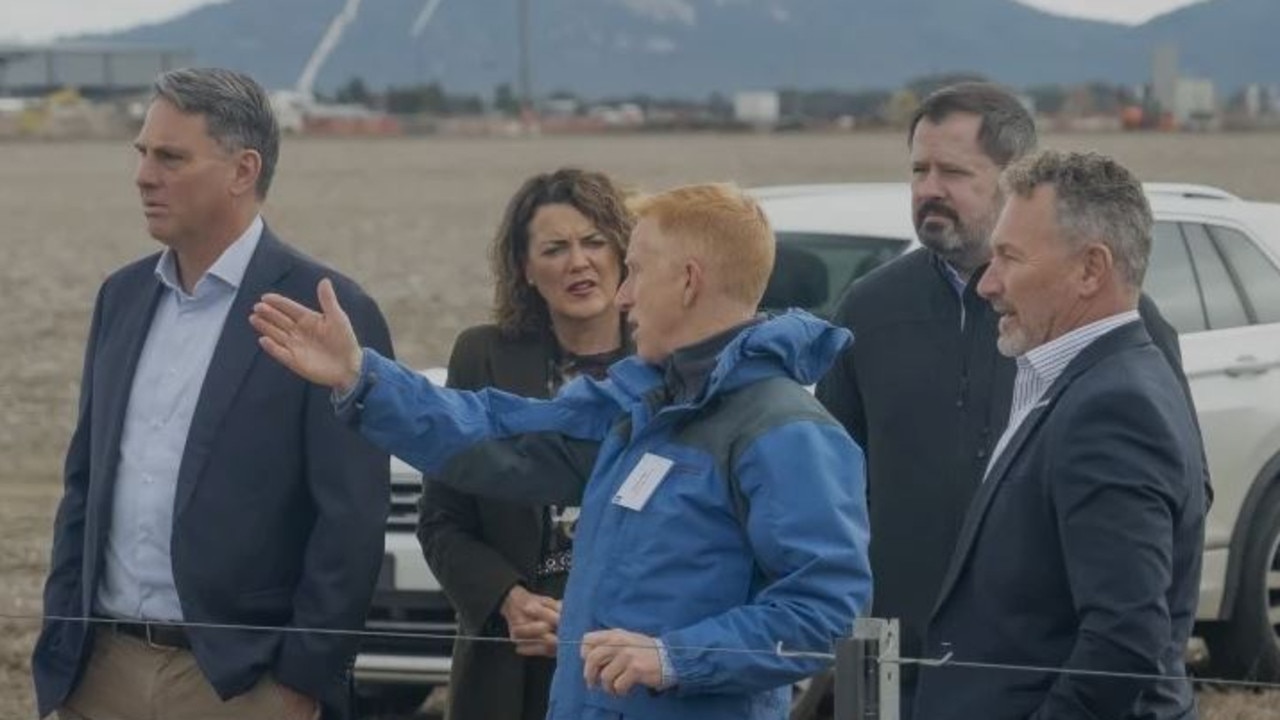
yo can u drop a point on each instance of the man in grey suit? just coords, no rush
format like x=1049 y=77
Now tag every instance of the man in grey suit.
x=204 y=484
x=1082 y=547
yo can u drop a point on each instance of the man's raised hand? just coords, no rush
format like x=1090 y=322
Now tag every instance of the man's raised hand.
x=320 y=346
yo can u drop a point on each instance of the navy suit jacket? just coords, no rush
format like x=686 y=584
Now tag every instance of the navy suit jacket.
x=279 y=512
x=1081 y=550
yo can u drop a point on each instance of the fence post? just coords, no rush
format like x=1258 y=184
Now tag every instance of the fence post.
x=867 y=673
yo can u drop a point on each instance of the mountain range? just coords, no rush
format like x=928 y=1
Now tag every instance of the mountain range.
x=612 y=48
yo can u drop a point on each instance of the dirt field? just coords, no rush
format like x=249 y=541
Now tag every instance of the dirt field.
x=410 y=220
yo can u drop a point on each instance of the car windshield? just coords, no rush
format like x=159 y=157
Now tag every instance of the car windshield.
x=812 y=270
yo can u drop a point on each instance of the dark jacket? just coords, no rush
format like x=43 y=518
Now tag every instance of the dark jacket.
x=280 y=510
x=480 y=547
x=1081 y=550
x=927 y=400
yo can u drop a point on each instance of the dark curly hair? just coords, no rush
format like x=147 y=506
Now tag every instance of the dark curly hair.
x=518 y=309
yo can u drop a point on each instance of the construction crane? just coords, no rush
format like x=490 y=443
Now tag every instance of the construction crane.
x=424 y=18
x=307 y=80
x=347 y=15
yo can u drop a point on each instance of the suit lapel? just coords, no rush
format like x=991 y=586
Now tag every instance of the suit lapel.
x=233 y=357
x=986 y=491
x=1130 y=335
x=121 y=352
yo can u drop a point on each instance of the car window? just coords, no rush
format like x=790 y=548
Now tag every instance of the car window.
x=1171 y=282
x=812 y=270
x=1221 y=300
x=1254 y=271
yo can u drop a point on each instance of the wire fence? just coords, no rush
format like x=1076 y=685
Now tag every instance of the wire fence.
x=948 y=660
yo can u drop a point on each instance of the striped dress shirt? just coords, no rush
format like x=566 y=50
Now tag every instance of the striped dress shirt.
x=1040 y=367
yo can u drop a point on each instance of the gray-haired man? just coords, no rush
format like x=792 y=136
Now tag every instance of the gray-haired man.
x=204 y=485
x=1081 y=550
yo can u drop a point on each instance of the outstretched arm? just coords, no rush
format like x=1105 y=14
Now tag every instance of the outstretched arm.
x=398 y=409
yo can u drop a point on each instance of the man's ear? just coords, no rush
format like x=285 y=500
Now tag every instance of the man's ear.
x=248 y=166
x=694 y=282
x=1096 y=268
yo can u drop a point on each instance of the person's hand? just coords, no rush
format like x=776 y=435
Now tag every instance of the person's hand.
x=298 y=706
x=532 y=621
x=320 y=346
x=617 y=661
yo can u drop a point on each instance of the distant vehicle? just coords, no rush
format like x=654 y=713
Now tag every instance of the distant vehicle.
x=1215 y=274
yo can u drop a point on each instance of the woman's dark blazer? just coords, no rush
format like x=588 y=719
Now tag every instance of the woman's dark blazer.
x=479 y=548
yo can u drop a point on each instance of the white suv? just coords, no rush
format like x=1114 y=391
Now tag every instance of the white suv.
x=1215 y=275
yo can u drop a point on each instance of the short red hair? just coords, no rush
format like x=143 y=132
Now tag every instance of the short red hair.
x=723 y=228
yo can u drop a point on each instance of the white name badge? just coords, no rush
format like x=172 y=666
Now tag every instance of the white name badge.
x=642 y=482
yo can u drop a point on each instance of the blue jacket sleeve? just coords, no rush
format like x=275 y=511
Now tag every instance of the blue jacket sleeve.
x=427 y=426
x=807 y=525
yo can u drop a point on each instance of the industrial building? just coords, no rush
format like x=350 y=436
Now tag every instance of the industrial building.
x=96 y=71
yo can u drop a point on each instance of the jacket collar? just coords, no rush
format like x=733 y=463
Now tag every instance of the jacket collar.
x=687 y=372
x=947 y=274
x=794 y=344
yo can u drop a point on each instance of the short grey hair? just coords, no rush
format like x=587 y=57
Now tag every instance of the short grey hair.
x=1098 y=200
x=235 y=108
x=1007 y=133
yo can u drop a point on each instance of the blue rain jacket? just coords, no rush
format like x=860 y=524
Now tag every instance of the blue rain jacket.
x=754 y=539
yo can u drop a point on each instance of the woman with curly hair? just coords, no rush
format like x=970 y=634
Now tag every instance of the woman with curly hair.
x=557 y=261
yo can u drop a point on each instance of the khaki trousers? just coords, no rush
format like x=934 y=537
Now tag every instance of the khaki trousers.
x=129 y=679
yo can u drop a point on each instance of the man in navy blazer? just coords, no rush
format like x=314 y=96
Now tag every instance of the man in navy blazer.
x=1081 y=550
x=206 y=485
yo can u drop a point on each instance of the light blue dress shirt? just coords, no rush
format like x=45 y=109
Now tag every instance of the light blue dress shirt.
x=137 y=579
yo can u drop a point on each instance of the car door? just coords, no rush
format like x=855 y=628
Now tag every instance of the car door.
x=1214 y=284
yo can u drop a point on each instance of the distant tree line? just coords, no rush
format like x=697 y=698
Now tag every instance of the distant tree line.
x=799 y=107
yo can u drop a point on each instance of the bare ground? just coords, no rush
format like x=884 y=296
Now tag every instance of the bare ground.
x=410 y=220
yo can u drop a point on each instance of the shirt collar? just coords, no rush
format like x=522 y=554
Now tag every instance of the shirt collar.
x=1050 y=359
x=229 y=268
x=953 y=275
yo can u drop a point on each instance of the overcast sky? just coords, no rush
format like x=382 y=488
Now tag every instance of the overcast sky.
x=34 y=20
